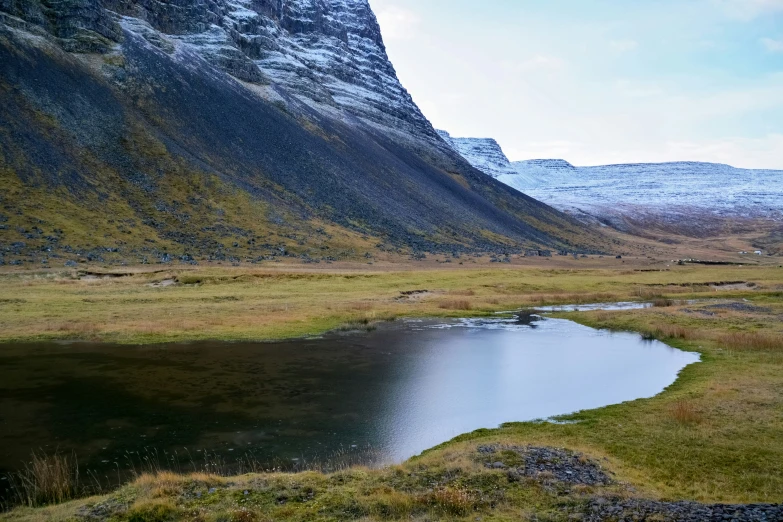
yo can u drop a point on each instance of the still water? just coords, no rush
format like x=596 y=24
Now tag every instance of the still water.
x=396 y=391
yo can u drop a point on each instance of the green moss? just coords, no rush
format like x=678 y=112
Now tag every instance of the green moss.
x=152 y=511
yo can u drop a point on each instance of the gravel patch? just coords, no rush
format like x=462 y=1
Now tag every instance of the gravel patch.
x=616 y=510
x=549 y=464
x=567 y=468
x=739 y=307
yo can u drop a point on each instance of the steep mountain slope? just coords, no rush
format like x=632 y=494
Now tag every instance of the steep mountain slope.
x=684 y=197
x=231 y=130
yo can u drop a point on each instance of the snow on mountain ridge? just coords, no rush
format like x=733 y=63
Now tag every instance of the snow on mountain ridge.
x=640 y=191
x=485 y=154
x=328 y=54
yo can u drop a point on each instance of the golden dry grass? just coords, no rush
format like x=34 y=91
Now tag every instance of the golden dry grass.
x=455 y=304
x=716 y=435
x=260 y=303
x=684 y=412
x=757 y=341
x=46 y=479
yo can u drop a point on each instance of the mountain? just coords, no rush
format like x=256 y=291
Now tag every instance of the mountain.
x=483 y=153
x=682 y=197
x=228 y=130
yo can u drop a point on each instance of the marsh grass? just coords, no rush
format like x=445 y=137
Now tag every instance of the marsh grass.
x=671 y=331
x=46 y=479
x=752 y=341
x=727 y=448
x=684 y=412
x=263 y=304
x=455 y=304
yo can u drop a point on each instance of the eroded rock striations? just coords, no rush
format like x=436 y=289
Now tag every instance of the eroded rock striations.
x=151 y=120
x=325 y=52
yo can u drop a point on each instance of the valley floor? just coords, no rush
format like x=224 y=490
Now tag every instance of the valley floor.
x=179 y=303
x=715 y=436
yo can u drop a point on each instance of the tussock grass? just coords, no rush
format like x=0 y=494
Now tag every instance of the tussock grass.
x=456 y=304
x=671 y=331
x=46 y=480
x=753 y=341
x=451 y=501
x=159 y=510
x=684 y=412
x=453 y=486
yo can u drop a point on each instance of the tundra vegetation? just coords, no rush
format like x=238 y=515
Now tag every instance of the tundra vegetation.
x=714 y=436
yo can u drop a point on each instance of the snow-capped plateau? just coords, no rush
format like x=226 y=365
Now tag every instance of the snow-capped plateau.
x=668 y=194
x=484 y=154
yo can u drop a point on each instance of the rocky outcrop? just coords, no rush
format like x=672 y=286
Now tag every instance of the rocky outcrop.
x=78 y=25
x=324 y=52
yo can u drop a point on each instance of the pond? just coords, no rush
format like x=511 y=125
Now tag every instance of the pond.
x=375 y=397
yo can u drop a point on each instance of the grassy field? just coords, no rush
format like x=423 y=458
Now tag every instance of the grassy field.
x=268 y=303
x=716 y=435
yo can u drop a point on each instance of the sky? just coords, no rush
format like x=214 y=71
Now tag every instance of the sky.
x=598 y=81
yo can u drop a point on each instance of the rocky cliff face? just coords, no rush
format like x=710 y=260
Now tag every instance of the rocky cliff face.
x=483 y=153
x=683 y=197
x=231 y=130
x=326 y=53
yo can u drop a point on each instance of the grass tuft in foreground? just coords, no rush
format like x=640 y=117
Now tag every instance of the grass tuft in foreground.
x=46 y=480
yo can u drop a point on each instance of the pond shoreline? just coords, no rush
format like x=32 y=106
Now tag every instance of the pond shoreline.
x=707 y=439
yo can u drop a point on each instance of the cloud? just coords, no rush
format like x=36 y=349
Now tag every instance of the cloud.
x=624 y=46
x=773 y=46
x=633 y=89
x=398 y=23
x=538 y=63
x=747 y=10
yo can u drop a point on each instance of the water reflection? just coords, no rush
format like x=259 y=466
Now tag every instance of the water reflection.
x=480 y=374
x=630 y=305
x=398 y=390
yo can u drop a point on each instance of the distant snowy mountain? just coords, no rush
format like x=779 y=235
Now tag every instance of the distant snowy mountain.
x=483 y=153
x=680 y=195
